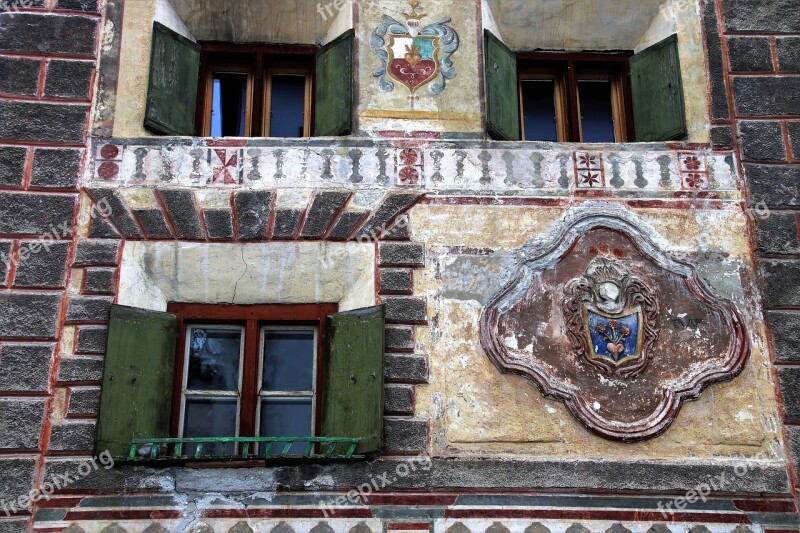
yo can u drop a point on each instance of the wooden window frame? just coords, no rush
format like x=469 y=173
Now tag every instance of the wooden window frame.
x=267 y=105
x=571 y=68
x=230 y=68
x=537 y=74
x=253 y=318
x=215 y=57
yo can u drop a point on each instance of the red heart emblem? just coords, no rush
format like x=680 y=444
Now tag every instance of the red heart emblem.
x=616 y=350
x=415 y=75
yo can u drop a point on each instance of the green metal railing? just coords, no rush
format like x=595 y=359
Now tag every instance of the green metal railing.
x=242 y=448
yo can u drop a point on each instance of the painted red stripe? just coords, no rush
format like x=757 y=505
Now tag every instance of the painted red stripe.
x=766 y=506
x=120 y=514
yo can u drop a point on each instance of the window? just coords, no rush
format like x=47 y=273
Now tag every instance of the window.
x=248 y=371
x=256 y=91
x=584 y=97
x=240 y=90
x=216 y=382
x=574 y=97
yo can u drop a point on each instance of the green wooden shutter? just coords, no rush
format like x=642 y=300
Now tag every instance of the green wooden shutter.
x=657 y=93
x=172 y=92
x=502 y=90
x=333 y=106
x=353 y=394
x=136 y=398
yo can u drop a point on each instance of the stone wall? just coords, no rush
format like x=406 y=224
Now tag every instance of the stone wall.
x=48 y=51
x=754 y=53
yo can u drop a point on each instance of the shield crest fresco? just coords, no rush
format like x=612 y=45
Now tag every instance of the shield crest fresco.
x=413 y=55
x=413 y=61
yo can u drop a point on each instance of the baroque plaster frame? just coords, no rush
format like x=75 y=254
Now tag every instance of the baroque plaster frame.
x=545 y=253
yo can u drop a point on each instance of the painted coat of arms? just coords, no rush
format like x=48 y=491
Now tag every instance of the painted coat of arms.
x=413 y=55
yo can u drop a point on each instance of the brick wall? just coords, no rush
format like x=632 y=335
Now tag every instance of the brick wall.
x=47 y=71
x=756 y=99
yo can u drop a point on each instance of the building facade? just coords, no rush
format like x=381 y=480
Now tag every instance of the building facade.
x=389 y=265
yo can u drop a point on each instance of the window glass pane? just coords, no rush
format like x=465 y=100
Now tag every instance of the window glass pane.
x=539 y=110
x=288 y=360
x=288 y=105
x=209 y=418
x=597 y=112
x=214 y=359
x=286 y=417
x=229 y=104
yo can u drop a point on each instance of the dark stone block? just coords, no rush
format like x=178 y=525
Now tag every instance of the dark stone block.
x=19 y=76
x=219 y=224
x=100 y=281
x=767 y=95
x=781 y=283
x=788 y=53
x=88 y=308
x=716 y=70
x=793 y=435
x=42 y=122
x=17 y=476
x=69 y=79
x=794 y=138
x=77 y=5
x=21 y=421
x=762 y=141
x=777 y=233
x=320 y=215
x=42 y=264
x=97 y=253
x=12 y=165
x=5 y=261
x=784 y=327
x=750 y=54
x=396 y=281
x=402 y=254
x=47 y=34
x=405 y=435
x=393 y=204
x=14 y=525
x=91 y=340
x=286 y=221
x=35 y=214
x=346 y=225
x=721 y=137
x=58 y=168
x=183 y=212
x=72 y=437
x=253 y=209
x=25 y=367
x=84 y=402
x=101 y=228
x=116 y=208
x=29 y=315
x=80 y=369
x=406 y=368
x=153 y=222
x=399 y=338
x=754 y=15
x=790 y=387
x=406 y=310
x=400 y=230
x=772 y=185
x=399 y=400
